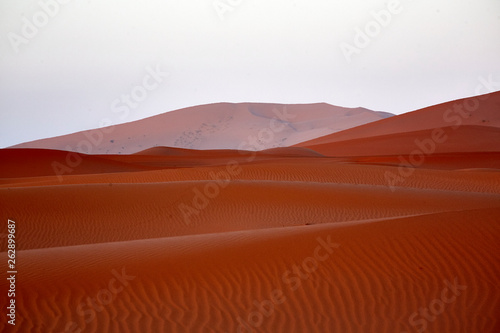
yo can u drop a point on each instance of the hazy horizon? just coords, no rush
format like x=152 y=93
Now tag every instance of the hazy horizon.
x=190 y=106
x=68 y=65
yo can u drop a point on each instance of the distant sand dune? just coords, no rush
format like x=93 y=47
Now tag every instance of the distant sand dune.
x=256 y=126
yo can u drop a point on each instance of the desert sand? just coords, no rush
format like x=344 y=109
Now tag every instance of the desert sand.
x=384 y=227
x=244 y=126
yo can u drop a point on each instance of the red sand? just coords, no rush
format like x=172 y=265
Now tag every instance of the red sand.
x=483 y=112
x=283 y=240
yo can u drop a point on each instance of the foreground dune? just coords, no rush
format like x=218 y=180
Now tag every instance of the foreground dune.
x=115 y=252
x=348 y=277
x=329 y=236
x=266 y=193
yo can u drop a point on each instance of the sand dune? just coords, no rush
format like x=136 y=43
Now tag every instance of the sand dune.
x=425 y=142
x=42 y=162
x=477 y=111
x=250 y=126
x=476 y=161
x=346 y=233
x=104 y=213
x=368 y=277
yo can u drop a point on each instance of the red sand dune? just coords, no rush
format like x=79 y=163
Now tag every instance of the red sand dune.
x=253 y=126
x=476 y=111
x=426 y=142
x=282 y=240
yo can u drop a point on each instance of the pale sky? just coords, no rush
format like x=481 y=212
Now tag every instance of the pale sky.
x=69 y=65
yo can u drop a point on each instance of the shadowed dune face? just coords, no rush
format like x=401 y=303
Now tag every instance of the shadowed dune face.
x=38 y=162
x=427 y=142
x=332 y=236
x=254 y=126
x=475 y=111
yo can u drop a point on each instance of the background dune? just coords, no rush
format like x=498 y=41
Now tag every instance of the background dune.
x=217 y=126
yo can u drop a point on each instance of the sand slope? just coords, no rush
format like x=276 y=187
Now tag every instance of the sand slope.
x=475 y=111
x=371 y=278
x=332 y=236
x=424 y=142
x=113 y=252
x=253 y=126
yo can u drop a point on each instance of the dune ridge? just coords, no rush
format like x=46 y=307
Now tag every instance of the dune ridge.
x=255 y=126
x=484 y=112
